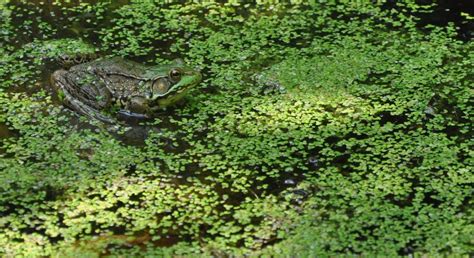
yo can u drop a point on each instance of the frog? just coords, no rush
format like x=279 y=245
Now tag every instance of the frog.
x=102 y=87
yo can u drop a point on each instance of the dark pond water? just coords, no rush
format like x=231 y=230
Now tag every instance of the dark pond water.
x=451 y=11
x=445 y=12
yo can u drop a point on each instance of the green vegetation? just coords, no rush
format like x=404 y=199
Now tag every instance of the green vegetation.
x=319 y=129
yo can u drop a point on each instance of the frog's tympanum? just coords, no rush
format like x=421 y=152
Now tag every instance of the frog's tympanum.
x=100 y=87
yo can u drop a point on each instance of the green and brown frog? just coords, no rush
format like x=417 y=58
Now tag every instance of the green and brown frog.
x=99 y=88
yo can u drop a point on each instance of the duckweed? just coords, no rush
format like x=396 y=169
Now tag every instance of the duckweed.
x=320 y=129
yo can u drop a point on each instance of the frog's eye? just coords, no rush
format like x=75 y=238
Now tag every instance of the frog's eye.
x=175 y=75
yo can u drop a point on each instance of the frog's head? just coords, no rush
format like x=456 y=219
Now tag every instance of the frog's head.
x=173 y=82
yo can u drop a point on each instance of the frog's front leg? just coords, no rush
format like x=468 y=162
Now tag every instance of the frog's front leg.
x=136 y=107
x=138 y=104
x=84 y=93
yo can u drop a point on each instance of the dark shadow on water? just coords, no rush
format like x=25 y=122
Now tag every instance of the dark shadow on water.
x=5 y=133
x=445 y=12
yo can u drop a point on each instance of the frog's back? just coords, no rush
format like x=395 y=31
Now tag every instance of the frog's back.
x=112 y=65
x=70 y=60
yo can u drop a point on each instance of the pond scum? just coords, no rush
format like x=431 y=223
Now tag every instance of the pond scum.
x=320 y=129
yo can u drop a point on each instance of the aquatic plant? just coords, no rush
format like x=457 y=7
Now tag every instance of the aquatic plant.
x=320 y=129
